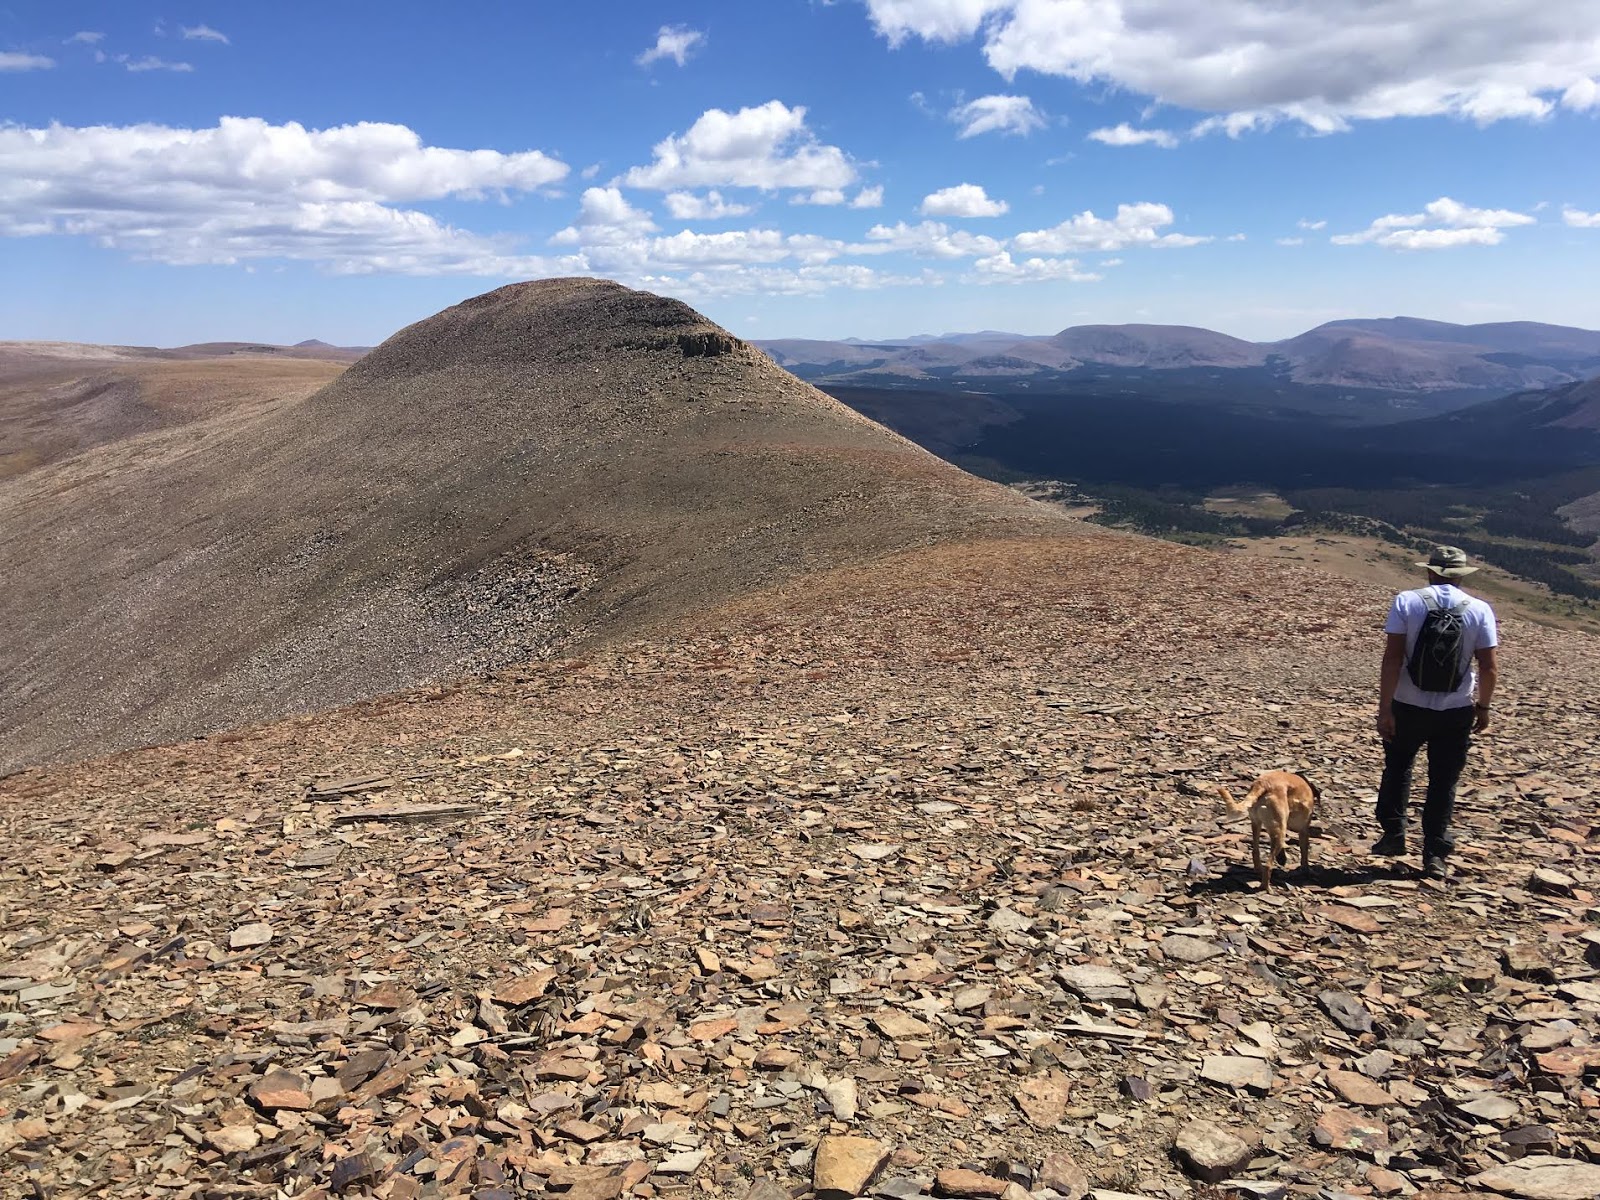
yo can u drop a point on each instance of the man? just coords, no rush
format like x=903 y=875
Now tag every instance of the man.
x=1436 y=689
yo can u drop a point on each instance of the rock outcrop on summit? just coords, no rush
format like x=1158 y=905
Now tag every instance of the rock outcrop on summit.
x=545 y=464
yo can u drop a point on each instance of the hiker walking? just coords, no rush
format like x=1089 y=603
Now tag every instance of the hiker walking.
x=1436 y=690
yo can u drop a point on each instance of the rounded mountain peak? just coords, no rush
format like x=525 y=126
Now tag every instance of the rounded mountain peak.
x=546 y=321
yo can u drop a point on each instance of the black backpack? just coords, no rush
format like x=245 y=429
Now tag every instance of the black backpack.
x=1436 y=660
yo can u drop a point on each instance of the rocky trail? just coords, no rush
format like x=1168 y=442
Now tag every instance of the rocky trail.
x=896 y=881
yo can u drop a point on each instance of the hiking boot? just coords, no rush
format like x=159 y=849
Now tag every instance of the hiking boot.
x=1436 y=866
x=1391 y=845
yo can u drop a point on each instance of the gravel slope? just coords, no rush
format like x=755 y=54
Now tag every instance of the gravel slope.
x=921 y=853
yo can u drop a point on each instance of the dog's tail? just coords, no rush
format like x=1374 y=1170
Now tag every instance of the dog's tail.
x=1234 y=807
x=1316 y=792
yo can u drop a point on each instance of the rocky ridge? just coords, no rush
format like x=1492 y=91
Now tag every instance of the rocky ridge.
x=897 y=881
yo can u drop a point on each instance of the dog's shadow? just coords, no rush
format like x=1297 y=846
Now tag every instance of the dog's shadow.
x=1240 y=877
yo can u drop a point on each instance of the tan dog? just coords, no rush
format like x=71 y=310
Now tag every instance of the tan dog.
x=1277 y=802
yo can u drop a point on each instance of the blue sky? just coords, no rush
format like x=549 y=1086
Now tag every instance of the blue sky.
x=872 y=168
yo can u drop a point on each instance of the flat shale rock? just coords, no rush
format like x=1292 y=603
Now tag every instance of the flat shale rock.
x=843 y=1097
x=874 y=851
x=1009 y=921
x=1209 y=1152
x=282 y=1090
x=1580 y=990
x=525 y=989
x=1551 y=882
x=1180 y=947
x=1061 y=1173
x=247 y=937
x=1491 y=1108
x=846 y=1166
x=1346 y=1129
x=1097 y=984
x=1385 y=1182
x=901 y=1026
x=1347 y=1012
x=961 y=1182
x=1237 y=1071
x=1543 y=1177
x=1355 y=1088
x=1523 y=961
x=234 y=1139
x=353 y=1170
x=686 y=1162
x=1043 y=1099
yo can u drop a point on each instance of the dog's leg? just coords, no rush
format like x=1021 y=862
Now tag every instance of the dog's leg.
x=1305 y=847
x=1276 y=829
x=1263 y=867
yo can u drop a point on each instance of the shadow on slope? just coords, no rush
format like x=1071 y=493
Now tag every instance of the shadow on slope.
x=1146 y=441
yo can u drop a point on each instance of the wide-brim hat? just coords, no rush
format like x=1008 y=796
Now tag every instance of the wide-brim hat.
x=1448 y=561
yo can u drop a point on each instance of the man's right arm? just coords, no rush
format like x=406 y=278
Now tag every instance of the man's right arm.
x=1394 y=661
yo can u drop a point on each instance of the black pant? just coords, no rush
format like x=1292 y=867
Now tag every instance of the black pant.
x=1447 y=734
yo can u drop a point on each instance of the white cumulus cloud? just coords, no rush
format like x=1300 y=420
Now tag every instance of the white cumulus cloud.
x=1134 y=225
x=686 y=206
x=737 y=246
x=605 y=218
x=1579 y=219
x=784 y=281
x=767 y=147
x=935 y=20
x=1000 y=268
x=202 y=33
x=930 y=239
x=1443 y=224
x=15 y=61
x=151 y=63
x=247 y=189
x=676 y=42
x=822 y=197
x=997 y=114
x=868 y=197
x=85 y=37
x=1127 y=135
x=962 y=200
x=1260 y=61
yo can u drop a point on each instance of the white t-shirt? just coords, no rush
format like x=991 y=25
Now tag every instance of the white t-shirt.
x=1406 y=616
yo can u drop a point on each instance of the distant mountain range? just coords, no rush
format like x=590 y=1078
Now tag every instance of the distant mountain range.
x=15 y=355
x=1360 y=371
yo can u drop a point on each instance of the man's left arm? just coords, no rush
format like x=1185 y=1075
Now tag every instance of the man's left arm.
x=1488 y=676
